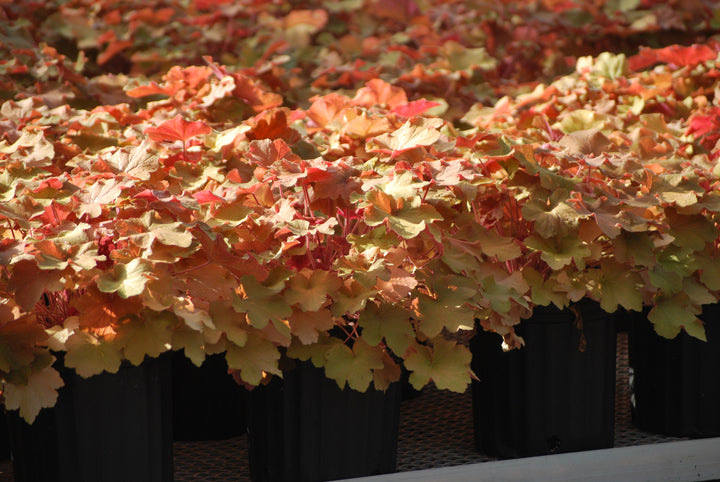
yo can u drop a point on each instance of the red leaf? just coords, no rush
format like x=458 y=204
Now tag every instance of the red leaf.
x=177 y=129
x=205 y=197
x=704 y=124
x=415 y=107
x=674 y=54
x=54 y=214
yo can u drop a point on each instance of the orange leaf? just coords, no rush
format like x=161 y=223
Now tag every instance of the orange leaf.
x=98 y=310
x=260 y=100
x=152 y=89
x=29 y=282
x=177 y=129
x=272 y=125
x=112 y=50
x=328 y=108
x=377 y=91
x=307 y=325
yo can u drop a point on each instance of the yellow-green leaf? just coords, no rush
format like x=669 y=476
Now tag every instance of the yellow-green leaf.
x=150 y=335
x=447 y=364
x=353 y=366
x=387 y=322
x=39 y=392
x=90 y=356
x=126 y=279
x=256 y=357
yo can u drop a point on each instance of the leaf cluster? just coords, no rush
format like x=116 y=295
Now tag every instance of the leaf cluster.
x=343 y=185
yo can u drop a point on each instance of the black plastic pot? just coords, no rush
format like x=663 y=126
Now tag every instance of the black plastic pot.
x=304 y=428
x=207 y=402
x=552 y=396
x=109 y=428
x=676 y=383
x=4 y=436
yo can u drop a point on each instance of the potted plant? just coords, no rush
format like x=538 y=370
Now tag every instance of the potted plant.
x=597 y=214
x=285 y=235
x=673 y=390
x=202 y=212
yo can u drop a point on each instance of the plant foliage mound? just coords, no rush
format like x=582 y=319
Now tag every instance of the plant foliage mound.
x=354 y=183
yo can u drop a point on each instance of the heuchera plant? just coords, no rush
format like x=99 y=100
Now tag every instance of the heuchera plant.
x=281 y=201
x=288 y=233
x=613 y=186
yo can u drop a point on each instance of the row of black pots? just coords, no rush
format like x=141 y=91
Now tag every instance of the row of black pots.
x=120 y=427
x=676 y=383
x=558 y=393
x=555 y=395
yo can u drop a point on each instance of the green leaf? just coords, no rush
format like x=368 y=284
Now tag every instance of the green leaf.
x=619 y=287
x=404 y=185
x=710 y=273
x=613 y=66
x=90 y=356
x=387 y=322
x=636 y=247
x=692 y=231
x=622 y=5
x=256 y=357
x=447 y=364
x=673 y=265
x=558 y=221
x=447 y=307
x=465 y=59
x=670 y=315
x=541 y=290
x=581 y=120
x=407 y=217
x=560 y=251
x=315 y=351
x=696 y=330
x=138 y=162
x=229 y=321
x=501 y=292
x=353 y=366
x=261 y=303
x=682 y=199
x=667 y=281
x=126 y=279
x=351 y=298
